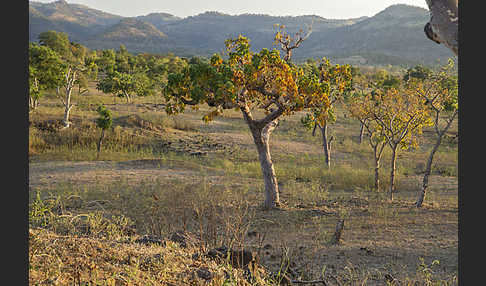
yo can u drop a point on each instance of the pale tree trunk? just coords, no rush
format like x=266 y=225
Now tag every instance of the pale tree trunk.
x=392 y=171
x=127 y=96
x=261 y=131
x=444 y=22
x=33 y=101
x=69 y=86
x=326 y=144
x=67 y=109
x=377 y=173
x=261 y=138
x=378 y=151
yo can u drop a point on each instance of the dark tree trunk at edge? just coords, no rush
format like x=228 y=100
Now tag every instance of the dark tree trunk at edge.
x=443 y=27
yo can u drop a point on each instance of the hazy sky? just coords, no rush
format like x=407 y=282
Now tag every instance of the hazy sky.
x=332 y=9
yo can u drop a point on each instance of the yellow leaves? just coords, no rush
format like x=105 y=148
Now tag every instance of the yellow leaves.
x=216 y=60
x=211 y=115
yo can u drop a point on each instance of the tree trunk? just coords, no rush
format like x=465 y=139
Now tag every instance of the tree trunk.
x=444 y=23
x=70 y=80
x=326 y=144
x=428 y=170
x=392 y=171
x=32 y=98
x=428 y=167
x=377 y=151
x=377 y=169
x=99 y=143
x=127 y=96
x=67 y=110
x=338 y=232
x=261 y=138
x=361 y=132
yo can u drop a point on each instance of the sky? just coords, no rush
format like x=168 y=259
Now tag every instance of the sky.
x=331 y=9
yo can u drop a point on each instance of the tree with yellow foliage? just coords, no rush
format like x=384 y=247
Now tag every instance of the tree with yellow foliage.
x=248 y=81
x=338 y=79
x=361 y=105
x=439 y=90
x=401 y=116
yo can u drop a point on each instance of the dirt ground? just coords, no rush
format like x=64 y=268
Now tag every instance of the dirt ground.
x=392 y=246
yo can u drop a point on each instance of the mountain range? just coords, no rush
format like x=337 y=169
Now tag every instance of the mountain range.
x=393 y=36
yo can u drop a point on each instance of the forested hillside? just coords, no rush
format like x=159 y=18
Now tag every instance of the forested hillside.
x=393 y=36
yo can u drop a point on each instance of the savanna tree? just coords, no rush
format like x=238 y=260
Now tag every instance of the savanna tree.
x=440 y=92
x=159 y=67
x=74 y=58
x=401 y=116
x=360 y=87
x=89 y=74
x=45 y=72
x=338 y=79
x=247 y=81
x=363 y=83
x=361 y=106
x=104 y=122
x=124 y=74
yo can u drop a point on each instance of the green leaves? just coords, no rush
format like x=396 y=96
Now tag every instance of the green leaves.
x=104 y=121
x=45 y=71
x=58 y=42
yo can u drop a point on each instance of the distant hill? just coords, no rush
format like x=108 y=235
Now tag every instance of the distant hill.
x=134 y=34
x=79 y=21
x=393 y=36
x=132 y=30
x=159 y=20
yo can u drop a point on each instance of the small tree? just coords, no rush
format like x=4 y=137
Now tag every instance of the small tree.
x=45 y=72
x=104 y=122
x=440 y=92
x=124 y=74
x=74 y=58
x=361 y=106
x=400 y=115
x=337 y=78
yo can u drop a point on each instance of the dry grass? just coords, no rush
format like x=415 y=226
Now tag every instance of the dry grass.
x=71 y=260
x=160 y=174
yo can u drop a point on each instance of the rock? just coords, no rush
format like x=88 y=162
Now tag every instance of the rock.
x=148 y=261
x=184 y=239
x=252 y=234
x=237 y=258
x=149 y=239
x=204 y=273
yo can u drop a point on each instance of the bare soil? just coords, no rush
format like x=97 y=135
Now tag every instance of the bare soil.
x=393 y=243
